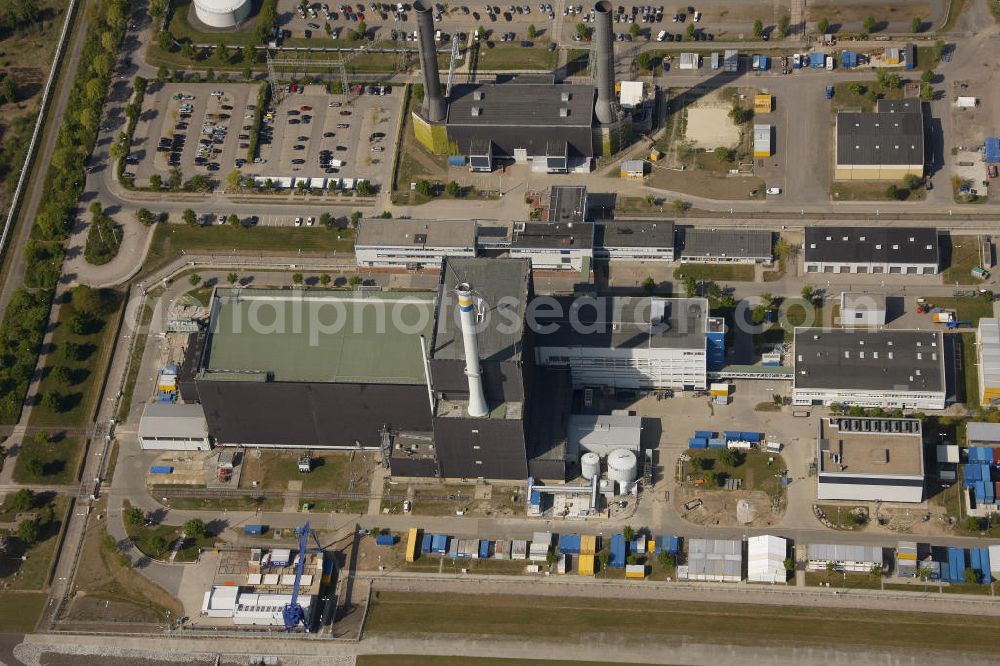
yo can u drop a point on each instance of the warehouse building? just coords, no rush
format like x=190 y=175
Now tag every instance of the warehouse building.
x=870 y=459
x=887 y=144
x=167 y=426
x=716 y=560
x=851 y=559
x=766 y=559
x=603 y=433
x=869 y=368
x=726 y=246
x=988 y=352
x=980 y=433
x=858 y=309
x=762 y=140
x=634 y=240
x=892 y=250
x=553 y=246
x=626 y=342
x=529 y=119
x=413 y=244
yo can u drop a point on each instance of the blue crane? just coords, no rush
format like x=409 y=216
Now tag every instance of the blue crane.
x=293 y=614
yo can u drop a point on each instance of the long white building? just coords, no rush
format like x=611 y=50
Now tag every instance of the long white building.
x=869 y=368
x=413 y=243
x=627 y=342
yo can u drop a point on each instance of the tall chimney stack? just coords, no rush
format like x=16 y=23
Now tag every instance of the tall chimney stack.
x=605 y=70
x=477 y=401
x=434 y=106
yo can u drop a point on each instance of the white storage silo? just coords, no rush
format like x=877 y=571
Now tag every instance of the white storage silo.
x=222 y=13
x=622 y=465
x=591 y=464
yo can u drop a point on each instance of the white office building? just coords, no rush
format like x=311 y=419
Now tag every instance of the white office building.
x=171 y=427
x=635 y=240
x=855 y=559
x=413 y=243
x=627 y=343
x=553 y=245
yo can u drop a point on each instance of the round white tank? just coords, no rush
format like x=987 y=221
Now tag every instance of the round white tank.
x=591 y=464
x=222 y=13
x=622 y=467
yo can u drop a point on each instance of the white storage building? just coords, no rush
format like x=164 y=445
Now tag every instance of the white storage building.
x=858 y=309
x=988 y=351
x=857 y=559
x=766 y=559
x=717 y=560
x=168 y=426
x=222 y=13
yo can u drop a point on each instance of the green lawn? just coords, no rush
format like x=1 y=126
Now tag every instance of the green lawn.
x=852 y=581
x=864 y=191
x=180 y=27
x=517 y=57
x=716 y=272
x=555 y=618
x=86 y=372
x=32 y=573
x=59 y=457
x=421 y=660
x=244 y=503
x=170 y=239
x=135 y=361
x=144 y=537
x=970 y=369
x=754 y=471
x=960 y=254
x=331 y=472
x=19 y=611
x=844 y=98
x=965 y=309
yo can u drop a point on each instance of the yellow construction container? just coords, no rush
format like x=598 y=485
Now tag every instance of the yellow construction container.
x=655 y=155
x=763 y=103
x=588 y=544
x=412 y=544
x=651 y=545
x=635 y=571
x=907 y=556
x=585 y=565
x=719 y=389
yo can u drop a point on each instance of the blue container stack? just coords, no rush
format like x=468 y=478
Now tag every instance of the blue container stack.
x=955 y=572
x=981 y=563
x=569 y=544
x=425 y=545
x=385 y=540
x=848 y=59
x=669 y=544
x=698 y=443
x=484 y=549
x=617 y=559
x=439 y=543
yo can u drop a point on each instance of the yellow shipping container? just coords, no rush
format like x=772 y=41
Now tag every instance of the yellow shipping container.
x=588 y=544
x=635 y=571
x=763 y=103
x=412 y=544
x=655 y=155
x=907 y=556
x=585 y=566
x=651 y=545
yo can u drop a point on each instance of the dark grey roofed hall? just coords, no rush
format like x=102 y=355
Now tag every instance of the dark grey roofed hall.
x=634 y=233
x=887 y=138
x=623 y=322
x=521 y=115
x=888 y=360
x=899 y=106
x=893 y=245
x=700 y=242
x=553 y=235
x=502 y=286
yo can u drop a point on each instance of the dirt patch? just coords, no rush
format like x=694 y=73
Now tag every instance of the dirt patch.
x=839 y=12
x=706 y=184
x=709 y=126
x=718 y=507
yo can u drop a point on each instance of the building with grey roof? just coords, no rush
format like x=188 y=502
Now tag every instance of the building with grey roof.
x=635 y=240
x=861 y=309
x=869 y=368
x=981 y=433
x=624 y=342
x=171 y=427
x=847 y=558
x=870 y=459
x=716 y=560
x=887 y=144
x=892 y=250
x=413 y=243
x=553 y=245
x=726 y=246
x=603 y=433
x=988 y=350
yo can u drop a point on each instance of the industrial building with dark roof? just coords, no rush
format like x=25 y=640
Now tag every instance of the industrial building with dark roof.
x=641 y=240
x=726 y=246
x=870 y=368
x=887 y=144
x=899 y=250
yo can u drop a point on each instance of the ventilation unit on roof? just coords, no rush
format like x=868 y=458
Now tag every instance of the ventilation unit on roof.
x=565 y=97
x=476 y=111
x=477 y=95
x=563 y=112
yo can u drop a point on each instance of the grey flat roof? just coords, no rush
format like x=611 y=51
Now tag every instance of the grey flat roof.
x=869 y=360
x=746 y=243
x=173 y=420
x=715 y=557
x=623 y=322
x=880 y=453
x=891 y=245
x=889 y=138
x=989 y=352
x=545 y=235
x=378 y=232
x=568 y=203
x=518 y=105
x=603 y=432
x=502 y=287
x=317 y=336
x=852 y=300
x=836 y=552
x=978 y=431
x=634 y=233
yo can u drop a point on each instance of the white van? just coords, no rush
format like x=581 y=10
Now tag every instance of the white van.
x=660 y=37
x=829 y=63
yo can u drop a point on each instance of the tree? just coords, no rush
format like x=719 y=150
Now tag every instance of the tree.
x=157 y=8
x=927 y=76
x=194 y=280
x=789 y=564
x=162 y=74
x=233 y=219
x=189 y=217
x=911 y=181
x=892 y=192
x=680 y=206
x=195 y=529
x=166 y=42
x=711 y=479
x=689 y=31
x=926 y=92
x=784 y=25
x=297 y=278
x=723 y=154
x=876 y=570
x=665 y=559
x=831 y=567
x=758 y=314
x=27 y=531
x=971 y=576
x=916 y=25
x=737 y=114
x=155 y=181
x=713 y=291
x=356 y=218
x=134 y=516
x=451 y=189
x=628 y=533
x=324 y=279
x=632 y=559
x=62 y=375
x=54 y=401
x=581 y=30
x=157 y=545
x=354 y=281
x=144 y=216
x=248 y=55
x=823 y=27
x=187 y=50
x=870 y=24
x=648 y=286
x=24 y=500
x=938 y=49
x=550 y=558
x=9 y=89
x=645 y=61
x=232 y=278
x=480 y=32
x=326 y=220
x=634 y=30
x=690 y=287
x=808 y=293
x=924 y=574
x=758 y=29
x=532 y=31
x=603 y=558
x=234 y=179
x=423 y=188
x=857 y=88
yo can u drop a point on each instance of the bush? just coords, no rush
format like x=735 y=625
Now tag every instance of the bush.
x=195 y=529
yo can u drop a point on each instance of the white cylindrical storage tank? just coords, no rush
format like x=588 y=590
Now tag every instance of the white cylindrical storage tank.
x=622 y=468
x=591 y=464
x=222 y=13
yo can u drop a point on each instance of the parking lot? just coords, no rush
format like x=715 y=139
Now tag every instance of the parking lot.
x=313 y=134
x=186 y=126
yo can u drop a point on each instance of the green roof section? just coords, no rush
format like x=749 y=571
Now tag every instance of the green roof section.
x=303 y=335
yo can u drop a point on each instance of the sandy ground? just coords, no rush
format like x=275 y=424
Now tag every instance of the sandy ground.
x=709 y=126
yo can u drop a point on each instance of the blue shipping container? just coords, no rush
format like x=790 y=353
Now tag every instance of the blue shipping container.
x=956 y=565
x=617 y=559
x=732 y=434
x=161 y=469
x=695 y=443
x=536 y=497
x=717 y=444
x=385 y=540
x=253 y=530
x=764 y=63
x=911 y=56
x=425 y=546
x=484 y=549
x=993 y=149
x=439 y=543
x=456 y=160
x=817 y=60
x=984 y=564
x=704 y=434
x=569 y=544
